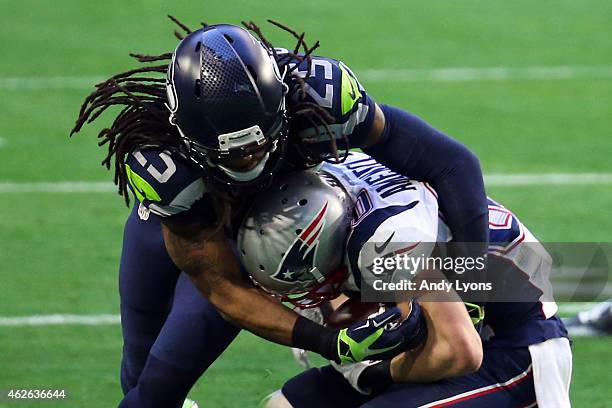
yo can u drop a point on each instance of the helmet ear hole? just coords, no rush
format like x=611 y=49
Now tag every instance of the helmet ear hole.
x=302 y=202
x=261 y=267
x=283 y=187
x=298 y=231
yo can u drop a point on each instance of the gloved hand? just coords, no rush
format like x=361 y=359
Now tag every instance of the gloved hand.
x=383 y=336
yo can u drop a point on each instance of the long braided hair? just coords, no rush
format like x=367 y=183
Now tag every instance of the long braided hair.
x=143 y=118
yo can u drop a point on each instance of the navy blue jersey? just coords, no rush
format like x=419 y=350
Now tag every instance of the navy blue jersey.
x=168 y=185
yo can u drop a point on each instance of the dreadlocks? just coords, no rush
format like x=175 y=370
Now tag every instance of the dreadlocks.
x=143 y=118
x=313 y=113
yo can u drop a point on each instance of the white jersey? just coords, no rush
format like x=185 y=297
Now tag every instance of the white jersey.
x=393 y=214
x=389 y=209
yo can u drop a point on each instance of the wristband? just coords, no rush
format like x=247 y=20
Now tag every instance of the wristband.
x=376 y=378
x=309 y=335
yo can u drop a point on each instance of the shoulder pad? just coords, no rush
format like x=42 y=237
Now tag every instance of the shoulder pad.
x=165 y=182
x=333 y=86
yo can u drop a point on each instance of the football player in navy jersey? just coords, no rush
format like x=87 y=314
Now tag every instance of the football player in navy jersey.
x=352 y=215
x=193 y=147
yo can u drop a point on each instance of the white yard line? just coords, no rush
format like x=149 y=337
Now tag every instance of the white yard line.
x=60 y=319
x=492 y=180
x=114 y=319
x=484 y=74
x=547 y=179
x=49 y=82
x=450 y=74
x=58 y=187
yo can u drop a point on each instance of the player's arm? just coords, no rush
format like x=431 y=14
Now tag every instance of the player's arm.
x=205 y=255
x=410 y=146
x=452 y=348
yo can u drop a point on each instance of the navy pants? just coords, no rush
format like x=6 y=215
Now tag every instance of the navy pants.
x=171 y=334
x=505 y=380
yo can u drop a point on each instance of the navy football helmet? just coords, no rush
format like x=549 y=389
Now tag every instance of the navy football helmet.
x=226 y=96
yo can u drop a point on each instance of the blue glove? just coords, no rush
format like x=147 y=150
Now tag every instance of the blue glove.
x=383 y=336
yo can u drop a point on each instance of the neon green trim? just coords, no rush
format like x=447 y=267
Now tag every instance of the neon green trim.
x=141 y=187
x=476 y=312
x=189 y=404
x=360 y=350
x=349 y=91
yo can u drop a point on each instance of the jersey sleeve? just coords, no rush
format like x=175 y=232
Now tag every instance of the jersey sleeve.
x=333 y=86
x=167 y=184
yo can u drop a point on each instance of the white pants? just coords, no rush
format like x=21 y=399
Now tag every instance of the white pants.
x=552 y=372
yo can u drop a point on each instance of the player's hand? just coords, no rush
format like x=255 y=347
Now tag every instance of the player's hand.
x=383 y=336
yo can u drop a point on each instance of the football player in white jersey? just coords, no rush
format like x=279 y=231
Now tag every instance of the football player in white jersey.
x=313 y=233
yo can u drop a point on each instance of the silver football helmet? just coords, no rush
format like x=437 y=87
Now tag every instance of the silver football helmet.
x=292 y=240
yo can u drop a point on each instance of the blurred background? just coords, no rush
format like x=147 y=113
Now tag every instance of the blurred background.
x=526 y=85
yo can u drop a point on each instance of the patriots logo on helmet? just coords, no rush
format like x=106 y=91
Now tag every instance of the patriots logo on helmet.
x=298 y=264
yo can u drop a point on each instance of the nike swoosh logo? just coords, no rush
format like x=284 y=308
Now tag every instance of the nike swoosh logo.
x=382 y=323
x=380 y=248
x=375 y=323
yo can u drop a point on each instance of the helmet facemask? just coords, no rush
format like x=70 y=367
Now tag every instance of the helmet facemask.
x=328 y=289
x=216 y=164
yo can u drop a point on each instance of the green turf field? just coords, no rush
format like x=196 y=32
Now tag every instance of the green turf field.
x=59 y=251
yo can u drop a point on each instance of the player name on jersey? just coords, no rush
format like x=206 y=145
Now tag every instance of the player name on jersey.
x=384 y=181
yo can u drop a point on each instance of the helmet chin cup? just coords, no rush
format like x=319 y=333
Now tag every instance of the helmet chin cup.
x=249 y=175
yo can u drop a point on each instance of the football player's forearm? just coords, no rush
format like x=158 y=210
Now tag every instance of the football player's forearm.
x=423 y=366
x=211 y=264
x=249 y=308
x=452 y=348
